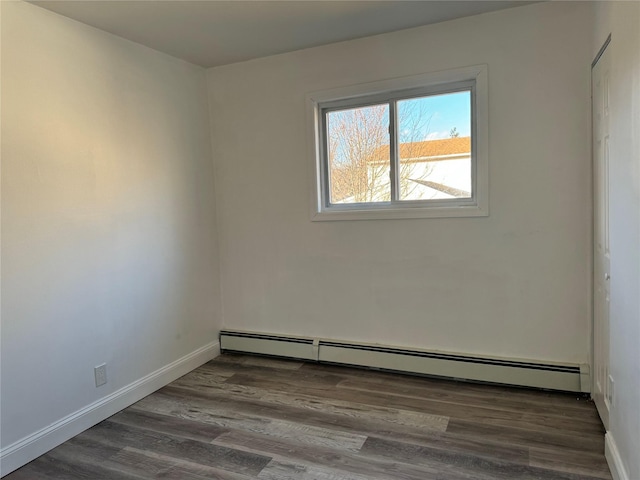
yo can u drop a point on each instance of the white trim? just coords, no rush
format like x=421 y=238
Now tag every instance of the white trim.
x=477 y=207
x=435 y=211
x=399 y=83
x=611 y=453
x=32 y=446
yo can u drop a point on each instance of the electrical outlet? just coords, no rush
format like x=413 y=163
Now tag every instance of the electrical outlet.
x=100 y=372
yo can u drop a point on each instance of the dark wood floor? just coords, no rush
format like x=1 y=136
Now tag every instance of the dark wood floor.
x=242 y=417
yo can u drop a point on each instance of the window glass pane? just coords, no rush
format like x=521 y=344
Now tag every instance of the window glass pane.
x=434 y=155
x=358 y=155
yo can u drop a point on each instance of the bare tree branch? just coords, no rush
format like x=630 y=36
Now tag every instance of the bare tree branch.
x=359 y=157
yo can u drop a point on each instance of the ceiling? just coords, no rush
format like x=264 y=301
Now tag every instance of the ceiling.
x=211 y=33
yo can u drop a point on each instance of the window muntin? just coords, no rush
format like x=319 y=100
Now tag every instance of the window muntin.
x=402 y=190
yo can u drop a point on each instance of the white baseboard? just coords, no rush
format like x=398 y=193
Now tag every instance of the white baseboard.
x=611 y=453
x=32 y=446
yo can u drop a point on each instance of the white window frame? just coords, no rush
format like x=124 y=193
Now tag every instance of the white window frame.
x=472 y=78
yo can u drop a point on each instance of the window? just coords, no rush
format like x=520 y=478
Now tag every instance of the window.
x=403 y=148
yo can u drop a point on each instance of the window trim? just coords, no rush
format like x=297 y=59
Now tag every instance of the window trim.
x=384 y=92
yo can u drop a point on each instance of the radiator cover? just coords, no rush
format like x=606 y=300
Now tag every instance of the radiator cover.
x=519 y=372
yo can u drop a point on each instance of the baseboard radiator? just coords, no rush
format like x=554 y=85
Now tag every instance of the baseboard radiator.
x=553 y=376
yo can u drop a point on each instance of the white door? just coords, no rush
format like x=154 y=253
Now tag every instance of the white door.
x=602 y=387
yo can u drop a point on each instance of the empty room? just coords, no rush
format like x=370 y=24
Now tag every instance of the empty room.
x=320 y=240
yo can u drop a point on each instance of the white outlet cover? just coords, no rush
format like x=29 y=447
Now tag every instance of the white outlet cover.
x=100 y=373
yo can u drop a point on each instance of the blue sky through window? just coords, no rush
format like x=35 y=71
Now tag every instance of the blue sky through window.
x=433 y=117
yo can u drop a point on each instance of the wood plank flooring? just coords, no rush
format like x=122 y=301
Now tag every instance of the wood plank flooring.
x=241 y=417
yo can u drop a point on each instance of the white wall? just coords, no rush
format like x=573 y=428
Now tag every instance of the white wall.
x=108 y=241
x=108 y=216
x=622 y=20
x=513 y=284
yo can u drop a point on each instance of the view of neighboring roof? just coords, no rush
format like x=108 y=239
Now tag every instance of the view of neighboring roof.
x=427 y=148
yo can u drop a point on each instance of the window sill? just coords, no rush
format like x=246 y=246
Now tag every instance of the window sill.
x=333 y=214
